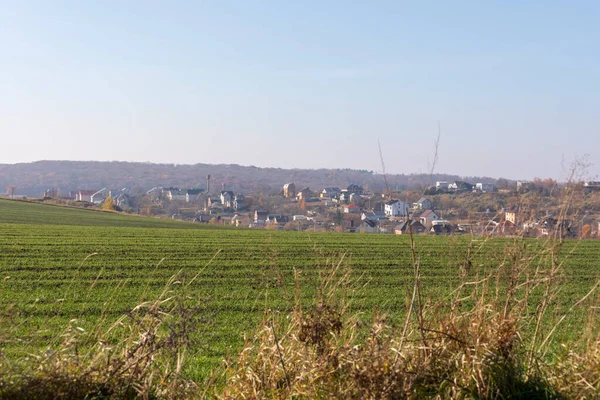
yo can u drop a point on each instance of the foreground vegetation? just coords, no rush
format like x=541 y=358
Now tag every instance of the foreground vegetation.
x=91 y=306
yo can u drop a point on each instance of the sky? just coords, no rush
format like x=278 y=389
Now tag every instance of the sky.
x=513 y=85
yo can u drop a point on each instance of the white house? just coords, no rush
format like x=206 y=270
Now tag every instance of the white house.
x=441 y=185
x=84 y=195
x=485 y=187
x=396 y=208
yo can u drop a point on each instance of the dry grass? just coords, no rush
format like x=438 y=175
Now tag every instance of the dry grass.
x=469 y=346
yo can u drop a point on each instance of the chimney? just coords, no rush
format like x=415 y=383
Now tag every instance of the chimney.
x=207 y=184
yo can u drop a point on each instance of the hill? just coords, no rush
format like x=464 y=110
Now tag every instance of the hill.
x=32 y=179
x=22 y=212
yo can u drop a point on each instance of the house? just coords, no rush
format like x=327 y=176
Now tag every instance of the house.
x=344 y=197
x=174 y=193
x=354 y=189
x=441 y=185
x=373 y=216
x=303 y=194
x=289 y=190
x=240 y=220
x=396 y=208
x=215 y=207
x=352 y=209
x=239 y=202
x=330 y=193
x=423 y=204
x=415 y=228
x=212 y=201
x=277 y=219
x=226 y=198
x=98 y=197
x=485 y=187
x=354 y=198
x=368 y=215
x=193 y=195
x=260 y=216
x=203 y=218
x=123 y=200
x=50 y=193
x=368 y=226
x=460 y=186
x=441 y=230
x=84 y=195
x=428 y=217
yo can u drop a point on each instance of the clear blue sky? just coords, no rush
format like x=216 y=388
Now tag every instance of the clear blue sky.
x=516 y=85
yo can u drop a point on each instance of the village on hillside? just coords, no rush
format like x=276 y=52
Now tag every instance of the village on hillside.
x=528 y=209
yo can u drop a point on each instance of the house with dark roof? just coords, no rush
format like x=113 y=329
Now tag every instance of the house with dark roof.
x=330 y=193
x=368 y=226
x=277 y=219
x=415 y=228
x=193 y=195
x=353 y=188
x=423 y=204
x=428 y=217
x=303 y=194
x=226 y=198
x=441 y=229
x=239 y=202
x=260 y=215
x=289 y=190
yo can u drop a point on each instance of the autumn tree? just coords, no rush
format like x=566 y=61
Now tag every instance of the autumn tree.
x=586 y=231
x=108 y=204
x=302 y=204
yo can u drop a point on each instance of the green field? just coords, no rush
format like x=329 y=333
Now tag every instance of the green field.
x=58 y=264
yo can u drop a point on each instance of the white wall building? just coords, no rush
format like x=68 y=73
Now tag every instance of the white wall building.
x=396 y=208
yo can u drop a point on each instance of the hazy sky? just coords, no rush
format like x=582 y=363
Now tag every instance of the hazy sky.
x=516 y=85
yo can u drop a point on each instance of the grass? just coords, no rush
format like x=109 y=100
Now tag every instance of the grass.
x=94 y=268
x=24 y=212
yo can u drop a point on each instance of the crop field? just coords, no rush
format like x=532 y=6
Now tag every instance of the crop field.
x=60 y=264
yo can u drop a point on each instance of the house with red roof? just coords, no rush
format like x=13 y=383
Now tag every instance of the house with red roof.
x=351 y=209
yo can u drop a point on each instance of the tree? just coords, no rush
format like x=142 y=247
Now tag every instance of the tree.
x=586 y=231
x=302 y=204
x=108 y=204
